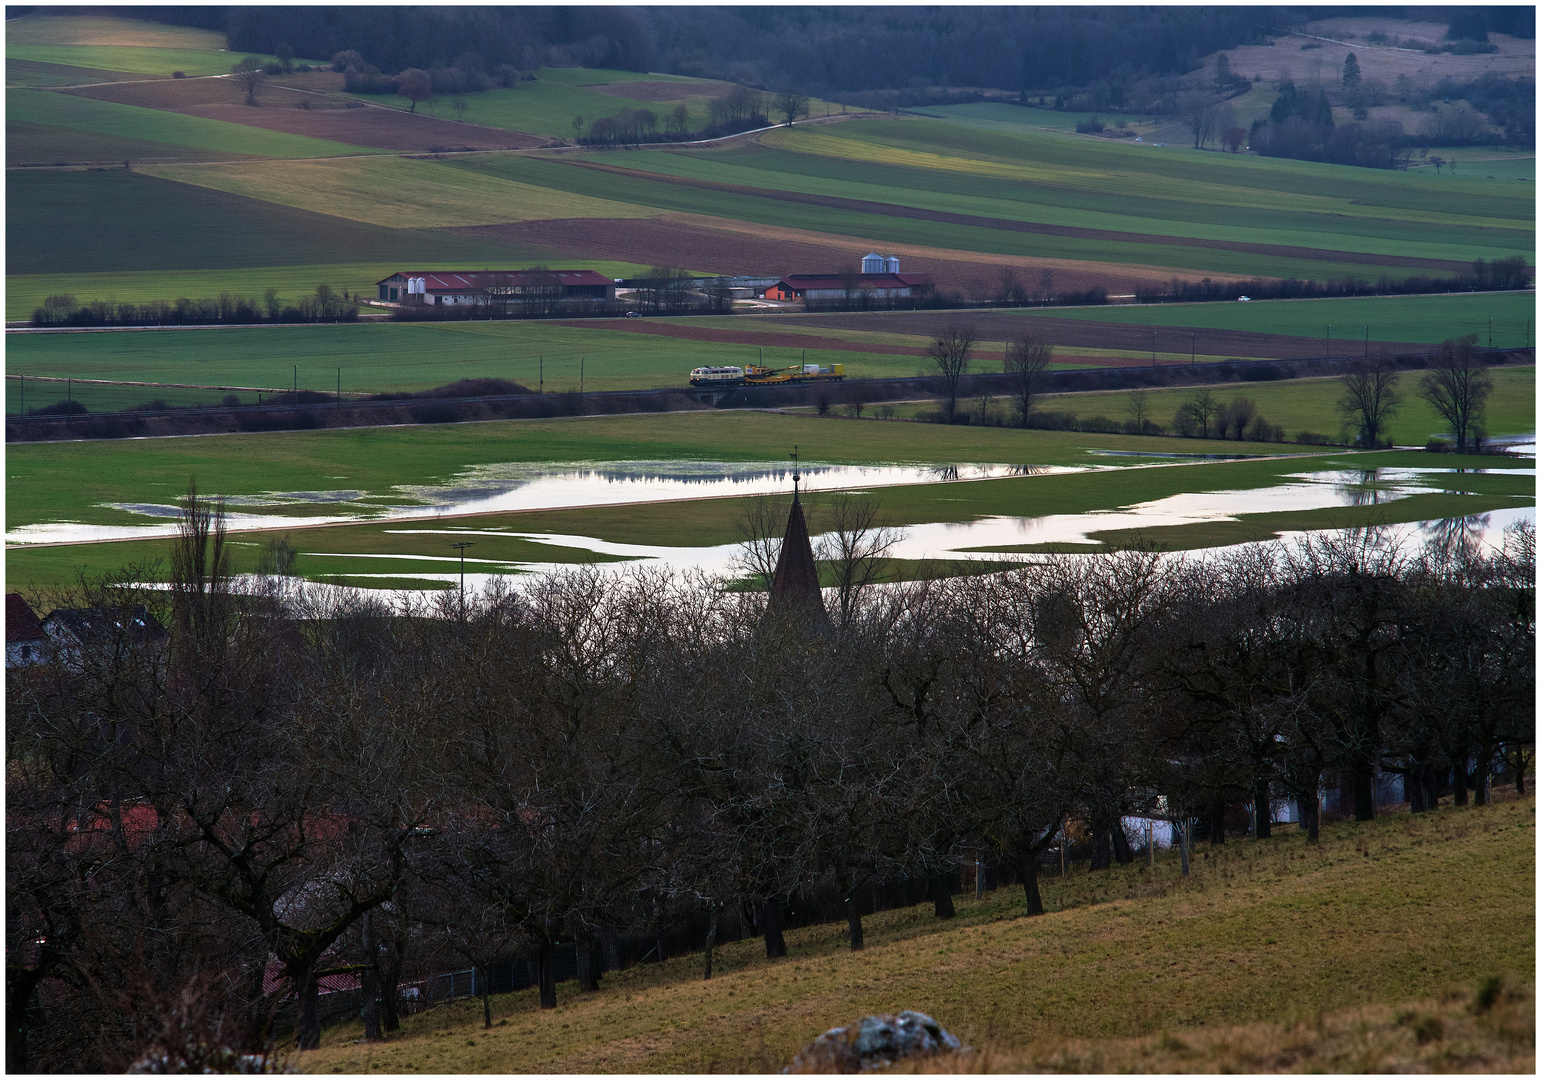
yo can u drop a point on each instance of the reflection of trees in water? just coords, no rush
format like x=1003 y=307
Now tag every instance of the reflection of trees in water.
x=1365 y=491
x=1026 y=470
x=1457 y=537
x=945 y=472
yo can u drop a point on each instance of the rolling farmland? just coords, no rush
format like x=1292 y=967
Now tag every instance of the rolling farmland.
x=193 y=193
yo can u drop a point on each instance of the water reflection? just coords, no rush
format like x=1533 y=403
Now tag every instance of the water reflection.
x=1456 y=538
x=515 y=486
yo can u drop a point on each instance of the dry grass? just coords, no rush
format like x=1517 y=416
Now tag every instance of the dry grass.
x=1225 y=963
x=1452 y=1034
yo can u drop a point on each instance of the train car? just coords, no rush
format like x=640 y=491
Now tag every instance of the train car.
x=815 y=373
x=716 y=376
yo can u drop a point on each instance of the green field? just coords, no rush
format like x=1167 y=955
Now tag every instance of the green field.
x=1429 y=319
x=997 y=115
x=378 y=357
x=157 y=126
x=27 y=143
x=1389 y=916
x=107 y=398
x=394 y=192
x=1311 y=405
x=75 y=481
x=548 y=104
x=132 y=59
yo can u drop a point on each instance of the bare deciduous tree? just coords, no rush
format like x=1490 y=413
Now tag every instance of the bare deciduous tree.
x=853 y=546
x=248 y=75
x=791 y=104
x=1370 y=397
x=949 y=352
x=1457 y=386
x=1027 y=362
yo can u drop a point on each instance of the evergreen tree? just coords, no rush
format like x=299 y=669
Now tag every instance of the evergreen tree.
x=1351 y=73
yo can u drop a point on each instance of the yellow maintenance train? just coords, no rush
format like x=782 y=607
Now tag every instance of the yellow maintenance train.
x=755 y=375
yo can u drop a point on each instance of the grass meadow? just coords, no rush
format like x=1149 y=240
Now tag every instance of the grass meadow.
x=157 y=126
x=378 y=357
x=79 y=482
x=1297 y=405
x=548 y=104
x=1270 y=944
x=27 y=143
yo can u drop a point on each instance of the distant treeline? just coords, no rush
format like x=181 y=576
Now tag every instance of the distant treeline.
x=1509 y=273
x=1300 y=124
x=325 y=305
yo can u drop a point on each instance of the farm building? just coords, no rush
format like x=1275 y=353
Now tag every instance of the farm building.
x=450 y=287
x=836 y=287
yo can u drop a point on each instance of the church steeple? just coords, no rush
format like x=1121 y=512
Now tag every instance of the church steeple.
x=795 y=584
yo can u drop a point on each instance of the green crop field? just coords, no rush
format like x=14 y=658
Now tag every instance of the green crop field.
x=1000 y=115
x=134 y=60
x=48 y=144
x=393 y=192
x=154 y=125
x=1132 y=969
x=1219 y=180
x=79 y=481
x=377 y=357
x=768 y=208
x=1311 y=405
x=1429 y=319
x=548 y=104
x=33 y=73
x=40 y=28
x=36 y=395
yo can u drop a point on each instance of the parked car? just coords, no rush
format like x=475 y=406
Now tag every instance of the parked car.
x=1243 y=299
x=634 y=314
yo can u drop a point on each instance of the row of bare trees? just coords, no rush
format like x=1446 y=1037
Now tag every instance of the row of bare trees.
x=301 y=783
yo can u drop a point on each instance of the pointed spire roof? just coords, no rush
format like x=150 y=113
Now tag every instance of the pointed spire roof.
x=796 y=581
x=795 y=585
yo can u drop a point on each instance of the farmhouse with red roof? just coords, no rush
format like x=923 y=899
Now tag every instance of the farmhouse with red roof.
x=481 y=287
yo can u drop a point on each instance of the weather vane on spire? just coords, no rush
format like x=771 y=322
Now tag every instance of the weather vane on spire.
x=796 y=476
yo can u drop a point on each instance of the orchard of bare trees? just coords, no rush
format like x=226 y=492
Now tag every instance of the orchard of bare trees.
x=294 y=783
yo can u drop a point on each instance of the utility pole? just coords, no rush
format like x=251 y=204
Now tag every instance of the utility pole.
x=1490 y=331
x=1152 y=348
x=1193 y=348
x=1366 y=342
x=462 y=548
x=296 y=380
x=542 y=375
x=23 y=395
x=339 y=386
x=1329 y=342
x=580 y=376
x=69 y=392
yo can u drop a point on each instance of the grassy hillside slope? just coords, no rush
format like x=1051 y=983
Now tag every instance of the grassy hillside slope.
x=1400 y=909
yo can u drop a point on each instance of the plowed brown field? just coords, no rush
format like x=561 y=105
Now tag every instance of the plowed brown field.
x=720 y=246
x=295 y=112
x=388 y=129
